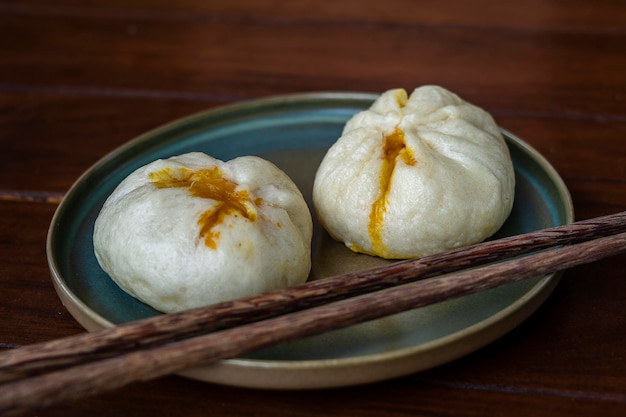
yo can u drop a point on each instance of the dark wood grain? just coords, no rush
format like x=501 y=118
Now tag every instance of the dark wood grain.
x=42 y=131
x=579 y=15
x=77 y=79
x=494 y=66
x=403 y=397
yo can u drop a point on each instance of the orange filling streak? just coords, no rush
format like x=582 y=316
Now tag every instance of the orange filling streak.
x=394 y=147
x=209 y=183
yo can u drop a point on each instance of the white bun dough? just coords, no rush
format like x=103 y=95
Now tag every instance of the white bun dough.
x=192 y=230
x=413 y=176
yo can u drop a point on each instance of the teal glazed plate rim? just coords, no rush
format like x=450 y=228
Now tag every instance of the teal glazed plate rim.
x=294 y=131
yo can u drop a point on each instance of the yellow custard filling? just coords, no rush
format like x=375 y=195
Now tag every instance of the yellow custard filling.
x=394 y=149
x=209 y=184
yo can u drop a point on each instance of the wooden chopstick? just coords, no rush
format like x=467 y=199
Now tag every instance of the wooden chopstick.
x=44 y=357
x=167 y=328
x=152 y=361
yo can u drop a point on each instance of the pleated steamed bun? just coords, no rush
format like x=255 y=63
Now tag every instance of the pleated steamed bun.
x=415 y=175
x=192 y=230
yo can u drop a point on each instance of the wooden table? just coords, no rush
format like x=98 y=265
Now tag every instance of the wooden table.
x=78 y=79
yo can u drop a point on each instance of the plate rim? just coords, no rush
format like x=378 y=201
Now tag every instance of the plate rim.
x=517 y=311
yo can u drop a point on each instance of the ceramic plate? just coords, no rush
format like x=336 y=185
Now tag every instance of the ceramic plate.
x=294 y=132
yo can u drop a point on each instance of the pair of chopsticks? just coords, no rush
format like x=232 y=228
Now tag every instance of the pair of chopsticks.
x=43 y=374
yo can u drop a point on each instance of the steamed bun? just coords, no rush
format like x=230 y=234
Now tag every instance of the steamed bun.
x=412 y=176
x=192 y=230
